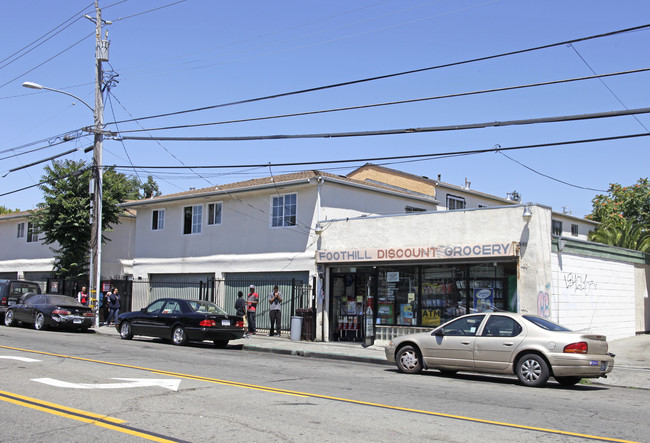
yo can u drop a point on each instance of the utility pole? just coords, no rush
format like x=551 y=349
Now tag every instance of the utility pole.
x=101 y=54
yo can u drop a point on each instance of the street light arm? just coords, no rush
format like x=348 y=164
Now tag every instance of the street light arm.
x=32 y=85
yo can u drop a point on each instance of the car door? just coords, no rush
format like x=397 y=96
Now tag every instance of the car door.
x=163 y=322
x=452 y=345
x=500 y=337
x=144 y=323
x=25 y=309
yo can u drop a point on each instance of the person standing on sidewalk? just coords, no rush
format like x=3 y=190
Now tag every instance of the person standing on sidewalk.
x=275 y=310
x=252 y=301
x=113 y=306
x=240 y=309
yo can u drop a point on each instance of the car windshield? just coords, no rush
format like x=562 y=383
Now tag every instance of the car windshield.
x=545 y=324
x=205 y=306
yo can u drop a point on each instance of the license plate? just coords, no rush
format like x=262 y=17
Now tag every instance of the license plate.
x=225 y=322
x=594 y=363
x=76 y=321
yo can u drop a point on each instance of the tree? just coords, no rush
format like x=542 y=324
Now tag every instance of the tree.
x=150 y=188
x=64 y=215
x=623 y=203
x=5 y=210
x=625 y=234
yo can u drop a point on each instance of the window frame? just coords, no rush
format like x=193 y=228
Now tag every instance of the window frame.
x=210 y=216
x=20 y=232
x=32 y=233
x=195 y=219
x=574 y=229
x=556 y=227
x=158 y=218
x=457 y=199
x=284 y=220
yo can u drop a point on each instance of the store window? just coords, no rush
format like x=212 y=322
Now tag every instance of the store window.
x=397 y=296
x=444 y=294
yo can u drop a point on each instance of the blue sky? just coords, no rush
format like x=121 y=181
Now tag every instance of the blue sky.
x=199 y=53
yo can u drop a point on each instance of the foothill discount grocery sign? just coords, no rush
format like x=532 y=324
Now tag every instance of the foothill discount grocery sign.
x=418 y=253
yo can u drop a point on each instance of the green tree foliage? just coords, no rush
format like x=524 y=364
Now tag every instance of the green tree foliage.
x=5 y=210
x=625 y=234
x=64 y=215
x=150 y=188
x=623 y=203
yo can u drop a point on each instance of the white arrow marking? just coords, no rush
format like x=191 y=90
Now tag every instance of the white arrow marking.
x=133 y=383
x=25 y=359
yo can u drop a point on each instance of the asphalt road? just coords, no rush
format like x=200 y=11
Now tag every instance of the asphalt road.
x=63 y=386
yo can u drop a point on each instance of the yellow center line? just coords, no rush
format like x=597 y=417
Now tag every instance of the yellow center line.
x=326 y=397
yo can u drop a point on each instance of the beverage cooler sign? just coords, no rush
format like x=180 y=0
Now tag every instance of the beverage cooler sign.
x=483 y=299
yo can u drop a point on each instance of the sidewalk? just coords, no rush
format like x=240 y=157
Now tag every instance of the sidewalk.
x=631 y=369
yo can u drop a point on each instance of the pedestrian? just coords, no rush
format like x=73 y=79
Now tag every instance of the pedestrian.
x=82 y=296
x=240 y=308
x=104 y=308
x=252 y=301
x=275 y=311
x=113 y=306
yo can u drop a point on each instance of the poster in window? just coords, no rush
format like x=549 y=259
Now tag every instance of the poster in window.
x=483 y=299
x=392 y=277
x=431 y=317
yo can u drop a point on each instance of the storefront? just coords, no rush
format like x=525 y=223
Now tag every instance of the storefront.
x=377 y=293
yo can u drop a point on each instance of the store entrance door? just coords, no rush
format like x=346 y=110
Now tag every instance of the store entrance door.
x=351 y=293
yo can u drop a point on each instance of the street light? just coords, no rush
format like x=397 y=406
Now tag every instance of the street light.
x=32 y=85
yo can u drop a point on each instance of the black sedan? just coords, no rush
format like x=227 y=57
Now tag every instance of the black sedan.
x=181 y=321
x=50 y=310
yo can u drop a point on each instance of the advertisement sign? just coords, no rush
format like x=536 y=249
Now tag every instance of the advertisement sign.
x=483 y=299
x=431 y=317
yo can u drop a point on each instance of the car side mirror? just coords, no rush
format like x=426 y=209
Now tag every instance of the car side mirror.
x=143 y=310
x=439 y=332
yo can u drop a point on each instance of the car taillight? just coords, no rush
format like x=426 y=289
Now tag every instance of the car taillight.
x=577 y=348
x=208 y=322
x=61 y=312
x=88 y=314
x=3 y=302
x=240 y=324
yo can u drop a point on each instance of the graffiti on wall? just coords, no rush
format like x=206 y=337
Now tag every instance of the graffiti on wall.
x=544 y=302
x=580 y=283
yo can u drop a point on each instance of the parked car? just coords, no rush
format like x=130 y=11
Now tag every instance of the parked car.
x=531 y=347
x=12 y=290
x=50 y=310
x=181 y=321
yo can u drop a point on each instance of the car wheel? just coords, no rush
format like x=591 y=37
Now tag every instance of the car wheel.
x=179 y=337
x=39 y=321
x=568 y=381
x=125 y=331
x=220 y=343
x=9 y=318
x=409 y=360
x=532 y=370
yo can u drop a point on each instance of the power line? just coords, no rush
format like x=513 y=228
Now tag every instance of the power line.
x=398 y=102
x=386 y=76
x=565 y=118
x=396 y=157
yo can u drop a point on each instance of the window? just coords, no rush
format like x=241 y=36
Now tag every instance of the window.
x=574 y=230
x=464 y=326
x=21 y=230
x=32 y=233
x=501 y=326
x=284 y=210
x=410 y=209
x=454 y=202
x=158 y=220
x=214 y=214
x=556 y=228
x=192 y=219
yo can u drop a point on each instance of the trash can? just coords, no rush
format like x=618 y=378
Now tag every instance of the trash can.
x=296 y=328
x=308 y=323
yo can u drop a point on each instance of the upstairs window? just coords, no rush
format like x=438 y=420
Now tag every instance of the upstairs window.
x=32 y=233
x=556 y=228
x=454 y=202
x=192 y=219
x=574 y=230
x=214 y=213
x=158 y=220
x=284 y=210
x=21 y=230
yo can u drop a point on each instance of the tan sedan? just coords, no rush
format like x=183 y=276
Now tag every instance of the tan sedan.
x=531 y=347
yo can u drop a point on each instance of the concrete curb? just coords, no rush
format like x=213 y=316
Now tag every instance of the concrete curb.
x=312 y=354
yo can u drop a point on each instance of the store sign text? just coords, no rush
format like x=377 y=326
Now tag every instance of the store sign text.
x=417 y=253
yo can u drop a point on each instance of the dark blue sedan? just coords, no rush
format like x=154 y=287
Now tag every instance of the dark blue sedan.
x=182 y=321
